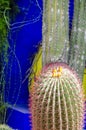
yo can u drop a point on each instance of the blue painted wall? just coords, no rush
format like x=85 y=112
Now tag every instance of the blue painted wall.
x=24 y=37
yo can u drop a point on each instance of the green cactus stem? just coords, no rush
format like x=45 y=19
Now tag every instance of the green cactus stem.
x=55 y=30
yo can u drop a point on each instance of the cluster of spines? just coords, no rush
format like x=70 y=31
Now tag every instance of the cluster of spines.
x=56 y=102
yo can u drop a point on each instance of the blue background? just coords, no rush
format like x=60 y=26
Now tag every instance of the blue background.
x=24 y=39
x=25 y=36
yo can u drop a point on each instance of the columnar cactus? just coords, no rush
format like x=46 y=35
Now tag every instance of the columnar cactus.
x=77 y=51
x=56 y=99
x=55 y=30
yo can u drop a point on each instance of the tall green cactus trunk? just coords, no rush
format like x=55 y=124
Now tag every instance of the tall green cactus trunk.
x=56 y=42
x=56 y=99
x=77 y=51
x=55 y=30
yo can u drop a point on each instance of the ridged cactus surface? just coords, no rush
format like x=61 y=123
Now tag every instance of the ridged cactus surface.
x=56 y=99
x=55 y=28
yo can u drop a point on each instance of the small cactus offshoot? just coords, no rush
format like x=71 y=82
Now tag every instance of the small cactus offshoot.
x=56 y=99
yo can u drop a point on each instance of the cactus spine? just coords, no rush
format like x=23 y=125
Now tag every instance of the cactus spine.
x=56 y=100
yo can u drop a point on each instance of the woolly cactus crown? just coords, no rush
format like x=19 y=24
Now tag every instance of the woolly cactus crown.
x=56 y=100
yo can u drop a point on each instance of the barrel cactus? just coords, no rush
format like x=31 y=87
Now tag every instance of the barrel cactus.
x=56 y=99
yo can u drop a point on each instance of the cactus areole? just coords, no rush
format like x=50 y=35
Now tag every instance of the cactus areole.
x=56 y=99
